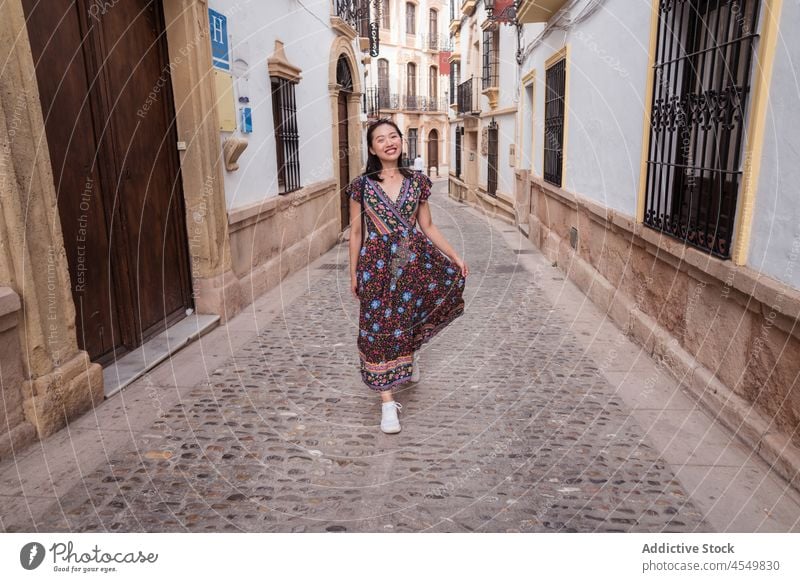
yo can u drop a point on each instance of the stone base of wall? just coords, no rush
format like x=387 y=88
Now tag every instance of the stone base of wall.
x=725 y=331
x=273 y=239
x=456 y=189
x=500 y=206
x=15 y=430
x=55 y=399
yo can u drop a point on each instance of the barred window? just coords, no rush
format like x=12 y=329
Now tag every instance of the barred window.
x=459 y=134
x=411 y=18
x=702 y=71
x=555 y=82
x=284 y=116
x=491 y=180
x=491 y=39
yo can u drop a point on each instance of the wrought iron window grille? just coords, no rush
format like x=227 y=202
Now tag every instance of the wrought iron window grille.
x=702 y=74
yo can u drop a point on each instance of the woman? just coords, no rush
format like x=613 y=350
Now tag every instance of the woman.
x=409 y=284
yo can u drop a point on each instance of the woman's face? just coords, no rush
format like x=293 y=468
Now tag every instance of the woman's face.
x=386 y=143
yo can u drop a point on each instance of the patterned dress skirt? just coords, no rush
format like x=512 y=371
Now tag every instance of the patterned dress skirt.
x=407 y=288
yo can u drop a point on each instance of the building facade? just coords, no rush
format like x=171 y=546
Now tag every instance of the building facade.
x=408 y=78
x=484 y=76
x=137 y=196
x=654 y=155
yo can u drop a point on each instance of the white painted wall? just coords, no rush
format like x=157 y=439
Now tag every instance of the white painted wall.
x=607 y=80
x=508 y=74
x=608 y=77
x=253 y=27
x=775 y=238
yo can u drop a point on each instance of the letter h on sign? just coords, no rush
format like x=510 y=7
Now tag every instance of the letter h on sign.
x=220 y=53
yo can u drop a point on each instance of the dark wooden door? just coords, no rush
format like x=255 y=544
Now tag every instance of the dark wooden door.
x=106 y=97
x=433 y=150
x=344 y=156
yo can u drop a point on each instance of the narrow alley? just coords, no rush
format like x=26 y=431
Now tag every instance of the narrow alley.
x=263 y=425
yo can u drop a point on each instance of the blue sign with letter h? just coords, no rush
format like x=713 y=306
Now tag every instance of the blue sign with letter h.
x=220 y=52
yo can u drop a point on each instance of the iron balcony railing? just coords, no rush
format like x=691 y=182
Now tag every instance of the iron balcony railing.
x=377 y=100
x=437 y=42
x=420 y=103
x=468 y=97
x=355 y=13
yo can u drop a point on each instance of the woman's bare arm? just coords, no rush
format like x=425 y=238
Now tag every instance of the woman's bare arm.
x=425 y=222
x=355 y=235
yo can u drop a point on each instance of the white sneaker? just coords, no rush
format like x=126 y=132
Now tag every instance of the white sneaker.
x=415 y=368
x=390 y=424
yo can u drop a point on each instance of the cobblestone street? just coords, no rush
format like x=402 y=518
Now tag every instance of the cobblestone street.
x=533 y=414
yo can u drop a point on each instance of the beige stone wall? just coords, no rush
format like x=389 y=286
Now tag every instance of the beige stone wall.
x=273 y=239
x=726 y=332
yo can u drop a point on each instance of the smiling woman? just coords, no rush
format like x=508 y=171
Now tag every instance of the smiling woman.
x=409 y=282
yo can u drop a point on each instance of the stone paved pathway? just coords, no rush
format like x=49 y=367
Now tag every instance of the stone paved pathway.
x=512 y=428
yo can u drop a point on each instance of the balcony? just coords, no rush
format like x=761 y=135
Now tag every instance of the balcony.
x=455 y=17
x=469 y=102
x=437 y=43
x=530 y=11
x=378 y=100
x=351 y=18
x=424 y=104
x=468 y=7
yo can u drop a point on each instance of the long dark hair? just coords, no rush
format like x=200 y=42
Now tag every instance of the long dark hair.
x=374 y=165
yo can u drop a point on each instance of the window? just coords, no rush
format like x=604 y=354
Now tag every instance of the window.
x=411 y=86
x=412 y=143
x=433 y=28
x=491 y=170
x=459 y=134
x=385 y=14
x=383 y=83
x=433 y=76
x=490 y=57
x=411 y=79
x=555 y=81
x=454 y=80
x=411 y=17
x=362 y=14
x=701 y=85
x=284 y=116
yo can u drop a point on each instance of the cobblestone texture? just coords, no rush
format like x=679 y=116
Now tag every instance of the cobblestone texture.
x=511 y=428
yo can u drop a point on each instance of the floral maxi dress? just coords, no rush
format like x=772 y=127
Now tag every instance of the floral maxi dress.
x=408 y=289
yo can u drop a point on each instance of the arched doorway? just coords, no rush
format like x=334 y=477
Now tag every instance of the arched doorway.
x=344 y=81
x=433 y=151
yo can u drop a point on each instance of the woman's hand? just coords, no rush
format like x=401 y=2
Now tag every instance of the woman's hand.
x=459 y=262
x=354 y=286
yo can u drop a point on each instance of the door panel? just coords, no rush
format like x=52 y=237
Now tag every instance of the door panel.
x=107 y=100
x=148 y=188
x=58 y=42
